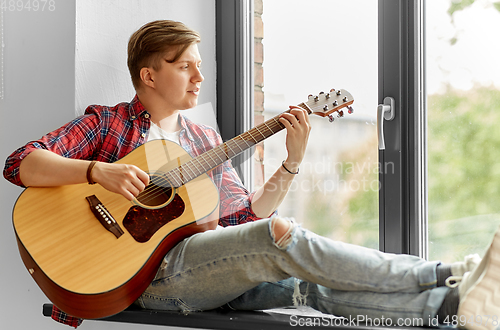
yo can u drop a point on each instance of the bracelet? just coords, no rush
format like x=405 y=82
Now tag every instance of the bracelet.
x=89 y=172
x=283 y=164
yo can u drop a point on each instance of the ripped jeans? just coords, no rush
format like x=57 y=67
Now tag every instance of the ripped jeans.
x=244 y=268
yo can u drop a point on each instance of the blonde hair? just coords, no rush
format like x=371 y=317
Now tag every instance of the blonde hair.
x=148 y=45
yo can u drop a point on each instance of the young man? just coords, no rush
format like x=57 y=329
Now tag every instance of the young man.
x=250 y=261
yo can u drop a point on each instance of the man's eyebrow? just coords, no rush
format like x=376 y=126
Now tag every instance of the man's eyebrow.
x=188 y=61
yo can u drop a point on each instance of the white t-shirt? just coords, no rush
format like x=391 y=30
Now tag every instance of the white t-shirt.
x=156 y=133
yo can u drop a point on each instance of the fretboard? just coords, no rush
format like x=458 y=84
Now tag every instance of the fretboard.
x=218 y=155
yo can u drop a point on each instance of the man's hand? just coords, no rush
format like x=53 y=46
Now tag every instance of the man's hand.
x=124 y=179
x=298 y=128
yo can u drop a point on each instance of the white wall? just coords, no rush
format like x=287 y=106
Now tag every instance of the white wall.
x=102 y=32
x=39 y=96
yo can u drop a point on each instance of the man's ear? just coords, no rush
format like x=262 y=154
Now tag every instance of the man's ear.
x=146 y=75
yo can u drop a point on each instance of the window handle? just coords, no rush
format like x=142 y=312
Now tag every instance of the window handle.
x=384 y=111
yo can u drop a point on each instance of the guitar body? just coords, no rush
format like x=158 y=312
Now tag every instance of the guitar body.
x=83 y=268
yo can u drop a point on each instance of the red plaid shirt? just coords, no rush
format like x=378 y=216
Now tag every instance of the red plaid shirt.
x=107 y=134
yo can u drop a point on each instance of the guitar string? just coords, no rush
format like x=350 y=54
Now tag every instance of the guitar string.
x=155 y=192
x=158 y=190
x=187 y=166
x=150 y=193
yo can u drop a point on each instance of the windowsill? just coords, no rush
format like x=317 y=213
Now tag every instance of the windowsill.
x=275 y=319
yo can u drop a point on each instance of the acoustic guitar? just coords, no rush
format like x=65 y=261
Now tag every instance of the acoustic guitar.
x=93 y=253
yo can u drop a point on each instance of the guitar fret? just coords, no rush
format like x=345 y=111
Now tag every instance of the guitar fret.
x=198 y=170
x=278 y=123
x=188 y=169
x=257 y=129
x=196 y=158
x=181 y=176
x=175 y=177
x=265 y=123
x=227 y=143
x=244 y=144
x=203 y=163
x=208 y=153
x=207 y=163
x=172 y=179
x=242 y=140
x=215 y=152
x=237 y=144
x=253 y=138
x=225 y=150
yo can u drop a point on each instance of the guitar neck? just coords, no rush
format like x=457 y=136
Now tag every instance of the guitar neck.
x=228 y=150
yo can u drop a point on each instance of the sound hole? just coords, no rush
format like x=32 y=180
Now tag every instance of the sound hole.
x=157 y=193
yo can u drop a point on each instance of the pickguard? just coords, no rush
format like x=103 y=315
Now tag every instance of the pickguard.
x=142 y=223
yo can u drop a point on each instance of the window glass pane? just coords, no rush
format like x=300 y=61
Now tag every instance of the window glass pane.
x=463 y=80
x=309 y=47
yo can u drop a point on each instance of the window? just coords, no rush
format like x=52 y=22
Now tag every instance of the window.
x=463 y=116
x=314 y=46
x=428 y=194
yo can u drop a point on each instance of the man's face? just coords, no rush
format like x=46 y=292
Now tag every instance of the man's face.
x=178 y=83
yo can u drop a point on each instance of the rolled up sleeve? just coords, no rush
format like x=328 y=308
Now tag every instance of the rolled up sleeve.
x=77 y=139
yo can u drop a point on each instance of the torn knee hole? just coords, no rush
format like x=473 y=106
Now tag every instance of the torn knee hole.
x=281 y=230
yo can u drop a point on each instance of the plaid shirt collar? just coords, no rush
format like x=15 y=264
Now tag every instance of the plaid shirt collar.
x=136 y=109
x=185 y=123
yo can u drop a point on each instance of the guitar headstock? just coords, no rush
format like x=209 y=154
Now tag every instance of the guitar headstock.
x=325 y=104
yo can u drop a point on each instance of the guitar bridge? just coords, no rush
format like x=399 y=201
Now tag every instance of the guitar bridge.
x=104 y=217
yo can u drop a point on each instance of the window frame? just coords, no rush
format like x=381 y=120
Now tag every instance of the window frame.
x=235 y=81
x=403 y=193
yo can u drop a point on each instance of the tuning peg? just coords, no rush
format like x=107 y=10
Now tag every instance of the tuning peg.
x=327 y=96
x=350 y=110
x=335 y=103
x=316 y=99
x=339 y=92
x=341 y=114
x=345 y=99
x=331 y=119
